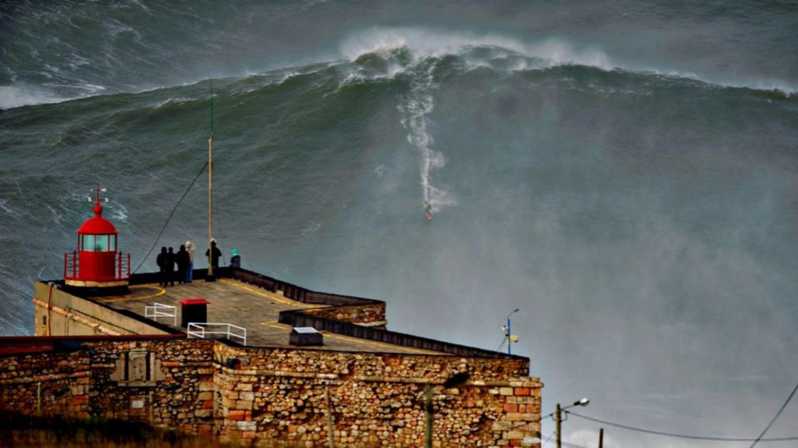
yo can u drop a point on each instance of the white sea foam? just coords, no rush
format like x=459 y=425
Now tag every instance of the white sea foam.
x=115 y=27
x=57 y=217
x=133 y=2
x=16 y=96
x=508 y=54
x=416 y=107
x=311 y=227
x=6 y=208
x=170 y=101
x=423 y=43
x=118 y=211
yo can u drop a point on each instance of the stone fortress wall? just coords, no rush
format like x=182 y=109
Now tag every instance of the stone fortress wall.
x=279 y=397
x=89 y=360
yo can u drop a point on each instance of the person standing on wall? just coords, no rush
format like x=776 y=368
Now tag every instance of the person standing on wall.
x=190 y=270
x=216 y=253
x=182 y=259
x=170 y=265
x=161 y=260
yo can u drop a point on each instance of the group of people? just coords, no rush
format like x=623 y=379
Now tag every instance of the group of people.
x=179 y=266
x=183 y=260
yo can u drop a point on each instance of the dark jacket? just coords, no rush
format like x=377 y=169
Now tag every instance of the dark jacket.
x=183 y=259
x=170 y=262
x=161 y=260
x=215 y=258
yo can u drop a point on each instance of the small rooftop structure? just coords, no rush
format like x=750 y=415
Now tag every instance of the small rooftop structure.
x=305 y=336
x=194 y=309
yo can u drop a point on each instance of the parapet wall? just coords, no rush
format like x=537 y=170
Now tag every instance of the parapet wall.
x=370 y=315
x=59 y=312
x=356 y=310
x=283 y=397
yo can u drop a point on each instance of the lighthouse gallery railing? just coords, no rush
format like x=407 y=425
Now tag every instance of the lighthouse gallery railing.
x=72 y=266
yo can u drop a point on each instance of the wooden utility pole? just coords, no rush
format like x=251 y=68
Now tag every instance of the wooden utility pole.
x=38 y=398
x=558 y=423
x=428 y=416
x=330 y=422
x=601 y=438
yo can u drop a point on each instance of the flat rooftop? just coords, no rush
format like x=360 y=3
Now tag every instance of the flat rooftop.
x=246 y=305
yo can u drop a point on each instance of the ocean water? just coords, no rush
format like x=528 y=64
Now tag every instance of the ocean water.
x=625 y=173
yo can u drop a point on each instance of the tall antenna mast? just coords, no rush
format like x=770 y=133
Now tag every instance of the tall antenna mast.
x=210 y=276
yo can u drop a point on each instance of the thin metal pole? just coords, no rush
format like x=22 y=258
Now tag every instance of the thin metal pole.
x=210 y=206
x=509 y=336
x=428 y=416
x=558 y=421
x=210 y=191
x=601 y=438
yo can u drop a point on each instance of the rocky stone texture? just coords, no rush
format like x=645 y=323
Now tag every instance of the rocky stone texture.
x=370 y=314
x=46 y=383
x=82 y=381
x=278 y=397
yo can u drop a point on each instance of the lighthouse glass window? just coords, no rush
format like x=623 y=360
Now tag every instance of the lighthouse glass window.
x=99 y=243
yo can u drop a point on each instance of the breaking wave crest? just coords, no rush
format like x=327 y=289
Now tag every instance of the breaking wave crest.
x=385 y=53
x=424 y=44
x=17 y=96
x=514 y=55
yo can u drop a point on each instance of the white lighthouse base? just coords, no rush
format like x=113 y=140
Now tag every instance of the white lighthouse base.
x=95 y=284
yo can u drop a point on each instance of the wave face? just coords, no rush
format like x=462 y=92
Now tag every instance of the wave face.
x=70 y=49
x=637 y=205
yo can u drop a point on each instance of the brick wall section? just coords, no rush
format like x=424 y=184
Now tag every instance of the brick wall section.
x=282 y=397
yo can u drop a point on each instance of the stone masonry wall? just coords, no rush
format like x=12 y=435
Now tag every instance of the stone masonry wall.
x=367 y=314
x=88 y=379
x=178 y=394
x=46 y=383
x=293 y=398
x=278 y=397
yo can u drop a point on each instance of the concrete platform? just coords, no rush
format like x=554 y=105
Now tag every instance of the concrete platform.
x=245 y=305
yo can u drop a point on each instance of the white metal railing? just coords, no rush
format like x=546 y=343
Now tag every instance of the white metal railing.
x=157 y=310
x=204 y=330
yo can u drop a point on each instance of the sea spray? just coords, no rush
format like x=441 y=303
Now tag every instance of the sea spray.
x=416 y=107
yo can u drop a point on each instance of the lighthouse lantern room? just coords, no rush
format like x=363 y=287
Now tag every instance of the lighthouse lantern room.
x=97 y=262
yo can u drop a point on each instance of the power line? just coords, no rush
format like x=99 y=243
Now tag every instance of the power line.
x=687 y=436
x=501 y=343
x=551 y=436
x=169 y=218
x=573 y=445
x=775 y=417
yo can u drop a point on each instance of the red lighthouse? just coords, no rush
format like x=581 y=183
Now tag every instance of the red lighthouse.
x=97 y=263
